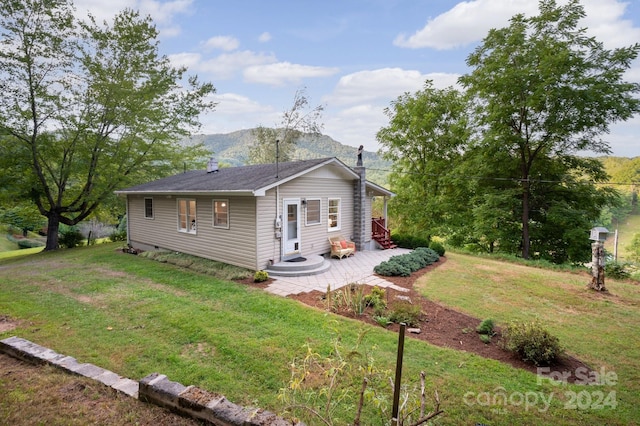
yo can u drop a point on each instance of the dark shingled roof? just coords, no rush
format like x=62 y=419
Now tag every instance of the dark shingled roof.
x=245 y=179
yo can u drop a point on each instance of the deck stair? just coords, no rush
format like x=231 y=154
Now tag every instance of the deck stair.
x=381 y=234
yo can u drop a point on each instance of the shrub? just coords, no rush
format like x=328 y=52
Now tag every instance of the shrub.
x=532 y=342
x=376 y=299
x=70 y=237
x=437 y=247
x=381 y=320
x=24 y=244
x=485 y=338
x=486 y=327
x=118 y=235
x=616 y=270
x=260 y=276
x=403 y=265
x=428 y=254
x=409 y=241
x=405 y=312
x=391 y=269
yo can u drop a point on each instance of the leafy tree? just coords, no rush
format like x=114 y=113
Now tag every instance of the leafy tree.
x=424 y=140
x=279 y=143
x=88 y=108
x=634 y=248
x=544 y=91
x=23 y=216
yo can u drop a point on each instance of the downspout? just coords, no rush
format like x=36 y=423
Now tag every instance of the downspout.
x=279 y=246
x=128 y=221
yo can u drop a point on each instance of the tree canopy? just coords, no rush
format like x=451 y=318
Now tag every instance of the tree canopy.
x=88 y=108
x=424 y=141
x=539 y=93
x=279 y=143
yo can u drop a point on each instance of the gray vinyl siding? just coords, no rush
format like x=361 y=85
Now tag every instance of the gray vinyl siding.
x=320 y=185
x=314 y=238
x=251 y=240
x=268 y=247
x=236 y=245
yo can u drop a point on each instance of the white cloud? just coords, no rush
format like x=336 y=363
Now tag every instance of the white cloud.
x=264 y=37
x=281 y=73
x=605 y=21
x=234 y=112
x=189 y=60
x=223 y=66
x=469 y=21
x=162 y=13
x=357 y=125
x=465 y=23
x=383 y=84
x=228 y=64
x=226 y=43
x=232 y=103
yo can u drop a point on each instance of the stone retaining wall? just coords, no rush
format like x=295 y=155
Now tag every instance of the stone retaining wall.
x=155 y=388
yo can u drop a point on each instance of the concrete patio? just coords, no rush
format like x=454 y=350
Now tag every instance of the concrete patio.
x=354 y=269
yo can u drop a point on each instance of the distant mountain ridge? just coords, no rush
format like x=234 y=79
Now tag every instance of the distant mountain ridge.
x=233 y=149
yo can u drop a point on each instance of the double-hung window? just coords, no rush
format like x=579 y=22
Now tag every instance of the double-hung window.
x=313 y=212
x=148 y=208
x=187 y=215
x=334 y=214
x=221 y=214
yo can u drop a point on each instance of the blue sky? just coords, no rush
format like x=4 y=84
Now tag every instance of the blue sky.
x=352 y=56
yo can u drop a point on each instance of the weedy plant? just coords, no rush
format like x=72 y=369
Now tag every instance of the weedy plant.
x=350 y=379
x=350 y=297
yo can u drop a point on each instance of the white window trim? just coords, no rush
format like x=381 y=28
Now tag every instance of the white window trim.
x=145 y=208
x=306 y=221
x=213 y=213
x=338 y=226
x=189 y=229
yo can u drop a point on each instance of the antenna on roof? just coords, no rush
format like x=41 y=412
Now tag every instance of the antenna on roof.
x=277 y=158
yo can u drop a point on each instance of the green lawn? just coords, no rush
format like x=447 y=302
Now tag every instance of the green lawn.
x=136 y=316
x=626 y=230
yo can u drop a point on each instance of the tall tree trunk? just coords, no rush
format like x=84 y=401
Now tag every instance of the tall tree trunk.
x=53 y=227
x=525 y=220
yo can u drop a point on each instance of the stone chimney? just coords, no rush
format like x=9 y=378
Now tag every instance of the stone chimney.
x=212 y=165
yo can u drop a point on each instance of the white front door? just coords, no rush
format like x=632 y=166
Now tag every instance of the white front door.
x=291 y=229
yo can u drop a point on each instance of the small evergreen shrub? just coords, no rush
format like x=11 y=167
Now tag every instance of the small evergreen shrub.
x=437 y=247
x=70 y=237
x=260 y=276
x=532 y=342
x=486 y=327
x=616 y=271
x=405 y=312
x=403 y=265
x=392 y=269
x=428 y=254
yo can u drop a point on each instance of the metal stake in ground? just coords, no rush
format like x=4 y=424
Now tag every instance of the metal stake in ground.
x=396 y=386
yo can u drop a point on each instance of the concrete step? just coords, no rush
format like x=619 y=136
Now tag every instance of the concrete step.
x=313 y=265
